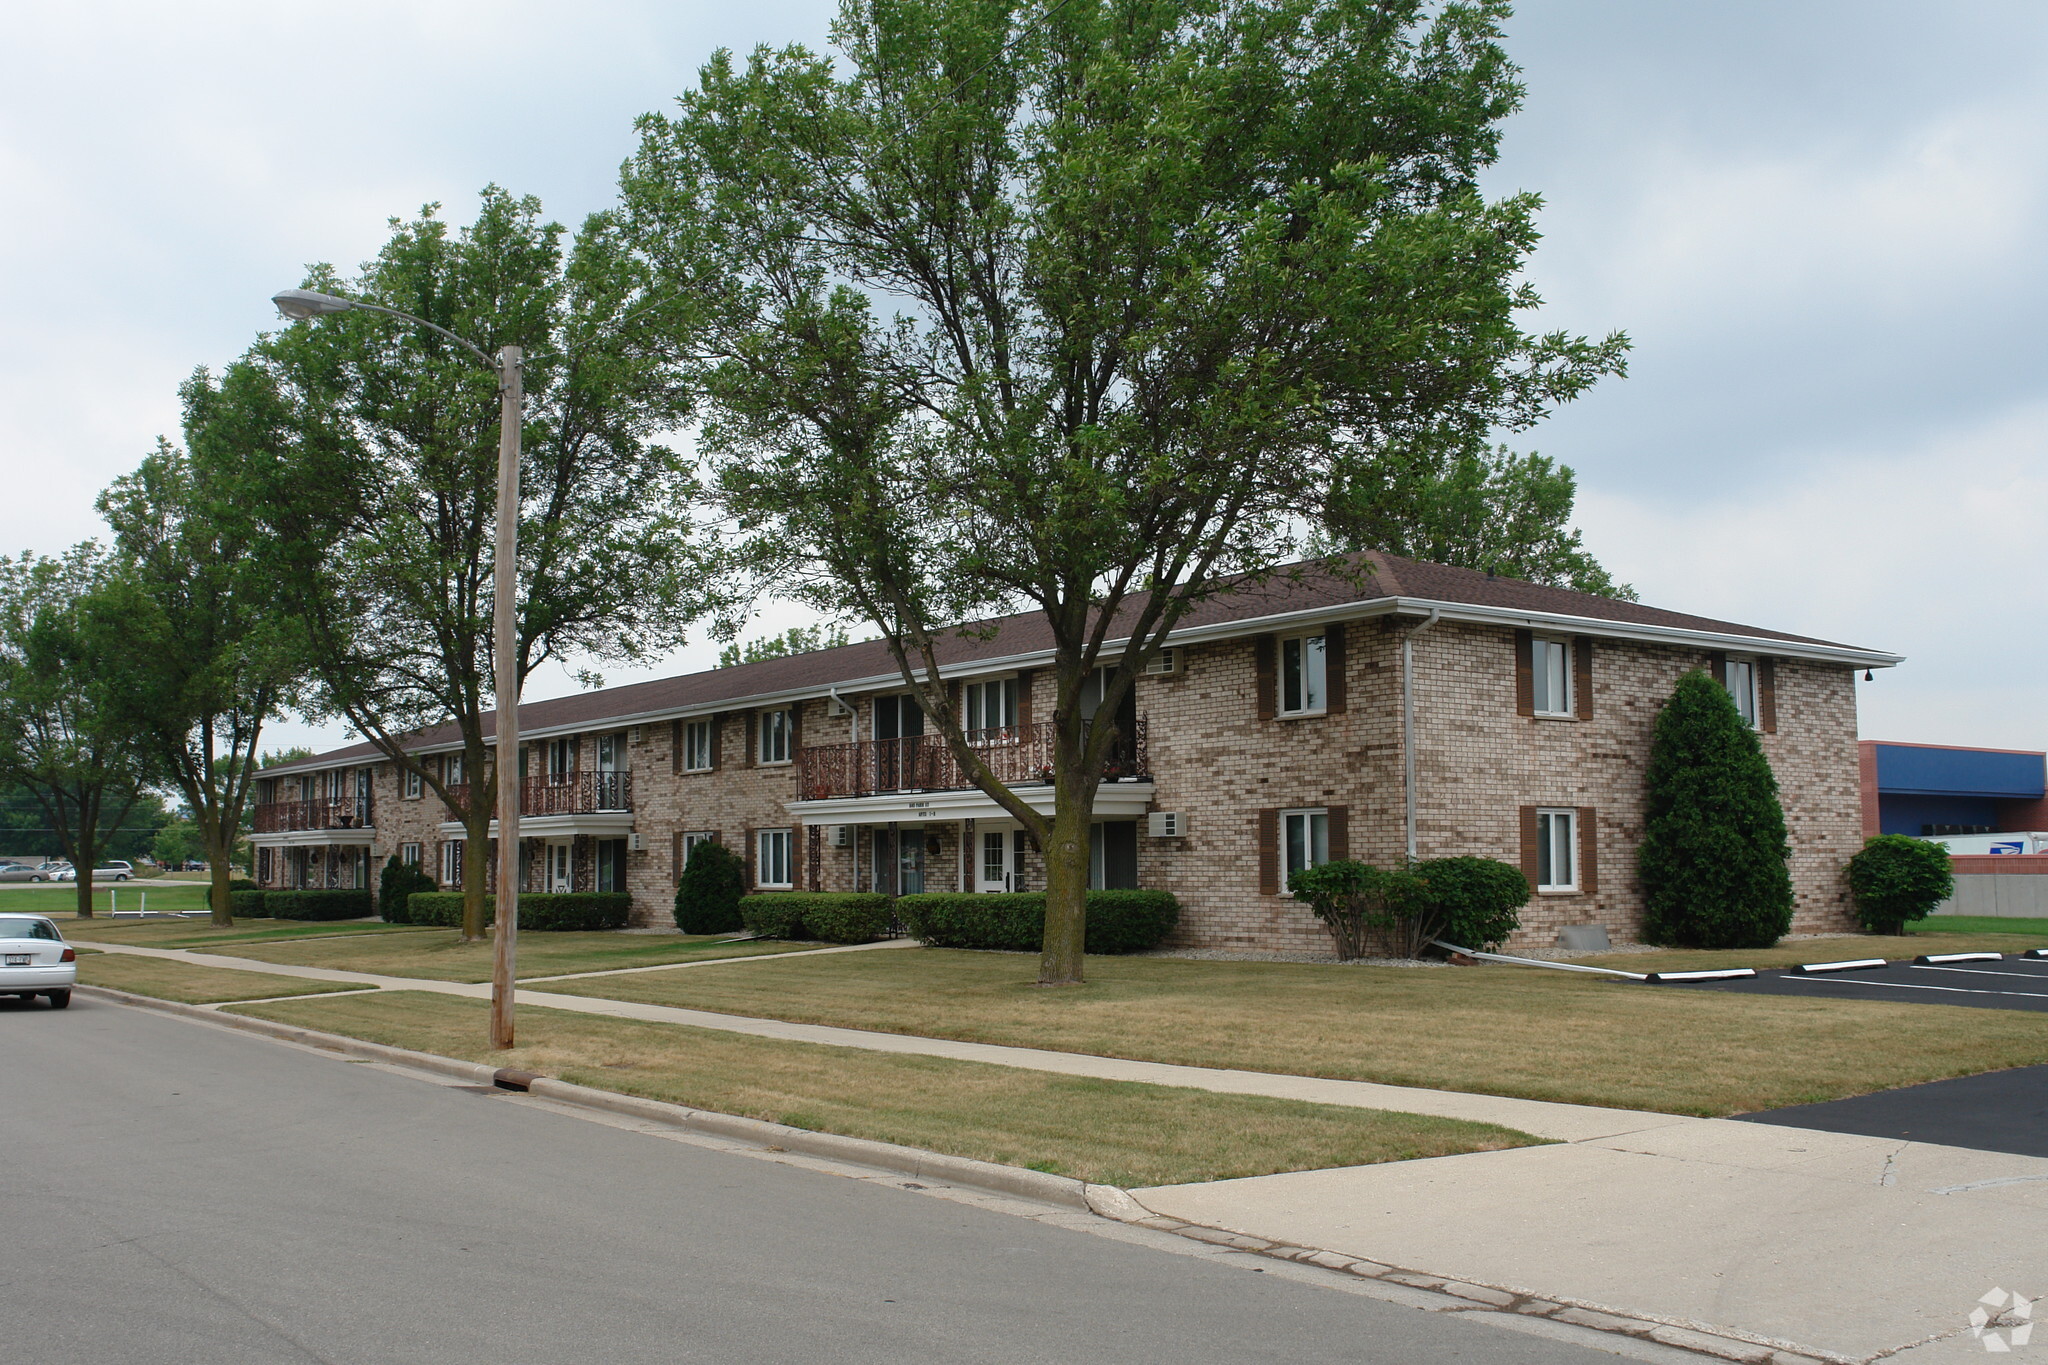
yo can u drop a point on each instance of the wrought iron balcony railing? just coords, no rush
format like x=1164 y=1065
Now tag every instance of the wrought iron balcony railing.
x=285 y=817
x=1015 y=755
x=582 y=793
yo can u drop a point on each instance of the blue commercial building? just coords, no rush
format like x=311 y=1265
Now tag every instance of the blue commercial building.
x=1923 y=789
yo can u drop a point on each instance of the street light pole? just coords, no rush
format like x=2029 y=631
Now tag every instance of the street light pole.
x=301 y=304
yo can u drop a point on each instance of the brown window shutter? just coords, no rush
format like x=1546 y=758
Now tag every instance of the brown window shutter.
x=747 y=854
x=1767 y=695
x=1717 y=665
x=717 y=723
x=1582 y=677
x=675 y=746
x=1333 y=670
x=1525 y=673
x=1589 y=850
x=1530 y=863
x=796 y=727
x=1264 y=682
x=1269 y=851
x=1024 y=700
x=1339 y=821
x=753 y=739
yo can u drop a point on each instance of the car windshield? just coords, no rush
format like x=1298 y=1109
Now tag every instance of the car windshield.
x=21 y=926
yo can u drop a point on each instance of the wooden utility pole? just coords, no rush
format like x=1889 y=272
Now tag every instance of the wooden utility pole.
x=505 y=669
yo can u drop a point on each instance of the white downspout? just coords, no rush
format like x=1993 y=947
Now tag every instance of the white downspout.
x=852 y=715
x=1408 y=722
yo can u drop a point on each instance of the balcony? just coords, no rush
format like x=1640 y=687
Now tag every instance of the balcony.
x=590 y=793
x=1017 y=755
x=291 y=817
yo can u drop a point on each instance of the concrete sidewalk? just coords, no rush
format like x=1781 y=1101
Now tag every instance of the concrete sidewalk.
x=1847 y=1247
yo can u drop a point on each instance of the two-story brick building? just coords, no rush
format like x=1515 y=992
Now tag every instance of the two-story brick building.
x=1435 y=711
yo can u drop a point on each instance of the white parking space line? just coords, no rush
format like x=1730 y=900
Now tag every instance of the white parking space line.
x=1909 y=986
x=1986 y=971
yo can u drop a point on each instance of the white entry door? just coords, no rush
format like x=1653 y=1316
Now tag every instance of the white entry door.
x=999 y=853
x=559 y=879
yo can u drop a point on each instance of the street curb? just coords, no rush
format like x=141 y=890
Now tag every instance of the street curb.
x=1105 y=1201
x=888 y=1156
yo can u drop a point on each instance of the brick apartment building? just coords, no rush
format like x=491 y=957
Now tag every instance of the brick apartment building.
x=1436 y=711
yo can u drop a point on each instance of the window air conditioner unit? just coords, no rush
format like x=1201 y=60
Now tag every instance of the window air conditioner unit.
x=1163 y=662
x=842 y=836
x=636 y=843
x=1166 y=824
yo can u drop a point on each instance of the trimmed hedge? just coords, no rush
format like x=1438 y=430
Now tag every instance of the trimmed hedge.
x=314 y=905
x=398 y=884
x=248 y=904
x=241 y=884
x=1897 y=879
x=709 y=891
x=1475 y=902
x=542 y=912
x=1118 y=921
x=834 y=917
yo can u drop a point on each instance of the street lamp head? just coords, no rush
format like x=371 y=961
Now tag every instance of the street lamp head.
x=300 y=304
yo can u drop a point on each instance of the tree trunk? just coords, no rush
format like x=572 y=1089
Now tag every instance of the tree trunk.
x=1066 y=884
x=85 y=889
x=219 y=874
x=476 y=861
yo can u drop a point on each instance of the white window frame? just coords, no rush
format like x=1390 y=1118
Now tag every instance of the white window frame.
x=694 y=837
x=772 y=738
x=415 y=785
x=1557 y=838
x=775 y=859
x=1739 y=676
x=451 y=769
x=409 y=854
x=1304 y=682
x=697 y=746
x=451 y=863
x=559 y=757
x=1313 y=824
x=1544 y=651
x=991 y=699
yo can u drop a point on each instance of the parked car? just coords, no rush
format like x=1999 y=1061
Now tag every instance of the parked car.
x=22 y=872
x=35 y=960
x=111 y=871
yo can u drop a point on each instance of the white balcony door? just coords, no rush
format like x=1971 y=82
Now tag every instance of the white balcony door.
x=560 y=877
x=999 y=854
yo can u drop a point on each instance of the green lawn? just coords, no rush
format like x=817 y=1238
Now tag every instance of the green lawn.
x=194 y=985
x=201 y=935
x=1112 y=1132
x=1979 y=924
x=1493 y=1029
x=441 y=955
x=60 y=899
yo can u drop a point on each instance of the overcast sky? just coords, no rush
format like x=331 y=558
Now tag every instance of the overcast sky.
x=1822 y=224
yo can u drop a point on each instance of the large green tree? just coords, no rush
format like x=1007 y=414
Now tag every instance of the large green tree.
x=63 y=741
x=367 y=450
x=1084 y=307
x=1713 y=856
x=209 y=651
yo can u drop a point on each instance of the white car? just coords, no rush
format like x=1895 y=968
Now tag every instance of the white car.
x=35 y=960
x=108 y=872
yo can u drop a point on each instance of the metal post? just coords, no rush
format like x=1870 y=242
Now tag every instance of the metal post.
x=505 y=624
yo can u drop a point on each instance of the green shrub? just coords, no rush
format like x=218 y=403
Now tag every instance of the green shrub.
x=1713 y=856
x=1472 y=902
x=832 y=916
x=1895 y=879
x=708 y=893
x=396 y=885
x=241 y=884
x=1356 y=900
x=248 y=903
x=540 y=912
x=1118 y=921
x=316 y=905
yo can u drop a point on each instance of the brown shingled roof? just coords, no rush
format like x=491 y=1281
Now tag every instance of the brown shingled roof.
x=1307 y=587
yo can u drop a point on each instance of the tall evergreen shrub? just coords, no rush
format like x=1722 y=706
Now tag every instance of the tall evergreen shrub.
x=395 y=887
x=708 y=894
x=1714 y=848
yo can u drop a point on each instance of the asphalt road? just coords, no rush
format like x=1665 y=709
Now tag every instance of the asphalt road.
x=1999 y=1111
x=170 y=1191
x=2013 y=984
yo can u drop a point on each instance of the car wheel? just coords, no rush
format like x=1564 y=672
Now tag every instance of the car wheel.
x=39 y=879
x=59 y=999
x=121 y=877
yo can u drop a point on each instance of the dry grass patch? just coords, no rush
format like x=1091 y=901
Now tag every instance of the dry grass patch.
x=170 y=980
x=1111 y=1132
x=1495 y=1030
x=441 y=955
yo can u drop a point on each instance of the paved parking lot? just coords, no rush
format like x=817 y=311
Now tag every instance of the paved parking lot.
x=2014 y=984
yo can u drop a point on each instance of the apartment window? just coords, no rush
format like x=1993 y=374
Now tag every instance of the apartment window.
x=561 y=760
x=1550 y=676
x=409 y=854
x=451 y=863
x=451 y=770
x=1113 y=855
x=263 y=866
x=415 y=785
x=1739 y=677
x=697 y=746
x=1305 y=835
x=611 y=864
x=772 y=865
x=1304 y=678
x=775 y=728
x=991 y=711
x=694 y=837
x=1557 y=863
x=334 y=784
